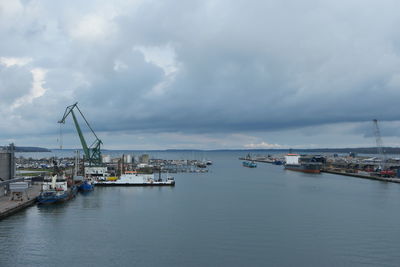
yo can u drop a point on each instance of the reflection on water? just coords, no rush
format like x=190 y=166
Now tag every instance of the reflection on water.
x=231 y=216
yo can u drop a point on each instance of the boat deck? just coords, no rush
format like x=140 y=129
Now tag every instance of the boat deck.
x=135 y=184
x=9 y=207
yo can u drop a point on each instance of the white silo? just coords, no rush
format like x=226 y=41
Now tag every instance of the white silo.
x=106 y=159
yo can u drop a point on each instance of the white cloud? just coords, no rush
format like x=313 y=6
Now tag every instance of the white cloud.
x=119 y=65
x=163 y=57
x=92 y=27
x=10 y=8
x=15 y=61
x=37 y=90
x=262 y=145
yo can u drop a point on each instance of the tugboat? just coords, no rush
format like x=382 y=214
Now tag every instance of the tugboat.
x=86 y=186
x=86 y=183
x=56 y=190
x=249 y=164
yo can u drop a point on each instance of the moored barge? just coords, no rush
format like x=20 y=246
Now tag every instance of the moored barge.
x=135 y=179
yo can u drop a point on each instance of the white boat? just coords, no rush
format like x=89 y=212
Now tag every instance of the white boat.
x=135 y=179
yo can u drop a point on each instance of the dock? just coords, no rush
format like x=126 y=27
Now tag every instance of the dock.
x=376 y=178
x=339 y=171
x=9 y=207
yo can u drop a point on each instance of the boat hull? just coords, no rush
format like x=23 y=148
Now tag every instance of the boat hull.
x=132 y=179
x=307 y=168
x=86 y=187
x=249 y=164
x=46 y=198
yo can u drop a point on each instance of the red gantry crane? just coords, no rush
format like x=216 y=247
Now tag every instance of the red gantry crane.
x=379 y=145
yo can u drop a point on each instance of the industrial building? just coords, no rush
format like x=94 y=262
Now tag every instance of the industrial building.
x=7 y=163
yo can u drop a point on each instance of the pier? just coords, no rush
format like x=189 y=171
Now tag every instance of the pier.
x=9 y=207
x=382 y=179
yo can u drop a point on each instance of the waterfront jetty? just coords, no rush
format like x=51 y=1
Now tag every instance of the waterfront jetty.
x=363 y=166
x=356 y=175
x=9 y=206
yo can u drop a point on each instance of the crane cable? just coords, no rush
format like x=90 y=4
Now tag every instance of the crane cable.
x=61 y=137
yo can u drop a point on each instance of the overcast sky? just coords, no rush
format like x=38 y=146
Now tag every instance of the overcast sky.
x=204 y=74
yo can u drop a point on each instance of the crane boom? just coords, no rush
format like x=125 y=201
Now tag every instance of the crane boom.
x=92 y=153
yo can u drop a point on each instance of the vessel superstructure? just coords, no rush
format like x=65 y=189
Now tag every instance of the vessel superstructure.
x=56 y=190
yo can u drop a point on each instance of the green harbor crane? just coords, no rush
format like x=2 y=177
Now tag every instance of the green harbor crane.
x=92 y=154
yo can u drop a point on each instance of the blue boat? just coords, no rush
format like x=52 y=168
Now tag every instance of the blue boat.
x=278 y=162
x=55 y=191
x=249 y=164
x=51 y=197
x=86 y=186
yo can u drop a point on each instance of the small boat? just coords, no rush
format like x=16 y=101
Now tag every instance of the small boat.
x=56 y=190
x=278 y=162
x=201 y=165
x=249 y=164
x=86 y=186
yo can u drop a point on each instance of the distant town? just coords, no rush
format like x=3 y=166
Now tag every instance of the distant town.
x=358 y=150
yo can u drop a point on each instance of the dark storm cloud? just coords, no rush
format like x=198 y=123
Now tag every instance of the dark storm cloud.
x=232 y=66
x=266 y=66
x=386 y=129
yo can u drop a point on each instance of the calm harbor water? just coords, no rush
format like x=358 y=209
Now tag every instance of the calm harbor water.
x=231 y=216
